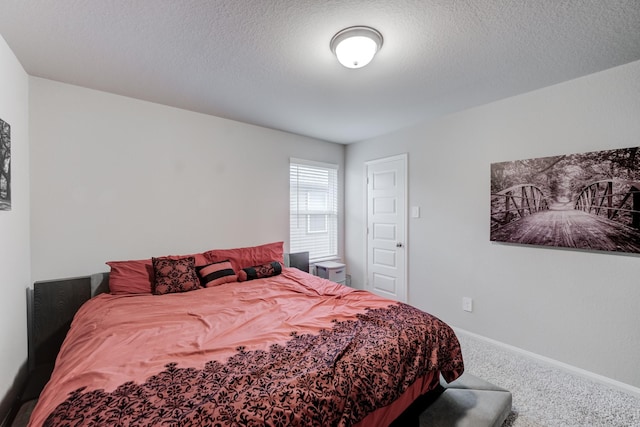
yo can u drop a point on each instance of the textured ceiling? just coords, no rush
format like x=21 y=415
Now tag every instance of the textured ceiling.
x=268 y=62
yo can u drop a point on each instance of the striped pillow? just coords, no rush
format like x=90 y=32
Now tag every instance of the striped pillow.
x=216 y=274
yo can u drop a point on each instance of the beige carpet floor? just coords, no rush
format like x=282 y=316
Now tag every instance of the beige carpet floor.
x=547 y=396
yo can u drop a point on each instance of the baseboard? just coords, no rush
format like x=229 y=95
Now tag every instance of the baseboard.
x=9 y=405
x=601 y=379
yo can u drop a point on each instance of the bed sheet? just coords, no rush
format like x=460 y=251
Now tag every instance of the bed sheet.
x=293 y=349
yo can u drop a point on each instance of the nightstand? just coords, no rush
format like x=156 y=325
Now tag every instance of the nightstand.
x=334 y=271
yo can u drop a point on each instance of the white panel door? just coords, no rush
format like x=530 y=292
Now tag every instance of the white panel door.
x=386 y=227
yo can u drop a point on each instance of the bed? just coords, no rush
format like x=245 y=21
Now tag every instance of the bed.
x=254 y=343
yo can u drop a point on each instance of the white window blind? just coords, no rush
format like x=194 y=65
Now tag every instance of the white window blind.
x=313 y=189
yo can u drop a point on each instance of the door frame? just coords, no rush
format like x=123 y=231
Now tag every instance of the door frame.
x=405 y=241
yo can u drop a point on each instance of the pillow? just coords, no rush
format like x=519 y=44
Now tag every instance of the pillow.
x=174 y=275
x=216 y=274
x=136 y=276
x=130 y=277
x=246 y=257
x=259 y=271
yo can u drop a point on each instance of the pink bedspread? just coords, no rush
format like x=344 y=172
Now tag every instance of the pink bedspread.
x=288 y=350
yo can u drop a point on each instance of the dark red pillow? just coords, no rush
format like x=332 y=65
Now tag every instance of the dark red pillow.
x=259 y=271
x=246 y=257
x=130 y=277
x=174 y=275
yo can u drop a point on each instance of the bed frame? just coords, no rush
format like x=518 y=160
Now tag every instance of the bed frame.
x=52 y=304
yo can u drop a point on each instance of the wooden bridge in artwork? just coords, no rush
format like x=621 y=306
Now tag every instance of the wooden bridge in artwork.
x=604 y=216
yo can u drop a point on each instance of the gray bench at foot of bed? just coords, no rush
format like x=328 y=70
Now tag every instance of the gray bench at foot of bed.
x=468 y=401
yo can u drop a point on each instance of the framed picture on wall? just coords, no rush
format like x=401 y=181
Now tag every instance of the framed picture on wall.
x=587 y=201
x=5 y=166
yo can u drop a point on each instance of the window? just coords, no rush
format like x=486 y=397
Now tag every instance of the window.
x=313 y=189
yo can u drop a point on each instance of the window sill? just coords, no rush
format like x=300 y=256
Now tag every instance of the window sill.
x=333 y=258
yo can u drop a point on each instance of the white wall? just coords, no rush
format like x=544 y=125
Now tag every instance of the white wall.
x=118 y=178
x=580 y=308
x=14 y=225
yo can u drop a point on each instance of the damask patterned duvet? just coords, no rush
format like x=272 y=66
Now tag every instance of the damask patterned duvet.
x=287 y=350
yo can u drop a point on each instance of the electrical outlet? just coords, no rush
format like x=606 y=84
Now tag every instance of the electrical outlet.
x=467 y=304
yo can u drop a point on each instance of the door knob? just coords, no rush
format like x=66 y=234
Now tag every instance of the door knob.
x=398 y=245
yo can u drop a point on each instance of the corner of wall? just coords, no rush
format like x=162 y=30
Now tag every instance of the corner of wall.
x=15 y=275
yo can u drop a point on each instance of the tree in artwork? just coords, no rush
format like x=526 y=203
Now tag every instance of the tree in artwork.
x=5 y=166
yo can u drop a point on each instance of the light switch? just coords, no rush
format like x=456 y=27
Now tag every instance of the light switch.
x=415 y=212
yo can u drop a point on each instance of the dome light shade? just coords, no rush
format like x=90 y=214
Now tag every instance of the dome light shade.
x=355 y=47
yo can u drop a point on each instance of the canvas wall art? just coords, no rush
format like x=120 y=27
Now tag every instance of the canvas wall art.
x=587 y=201
x=5 y=166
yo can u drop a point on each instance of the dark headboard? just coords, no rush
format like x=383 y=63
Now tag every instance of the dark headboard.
x=51 y=305
x=299 y=260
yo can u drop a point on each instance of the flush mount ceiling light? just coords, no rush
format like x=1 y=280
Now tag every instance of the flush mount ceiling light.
x=355 y=47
